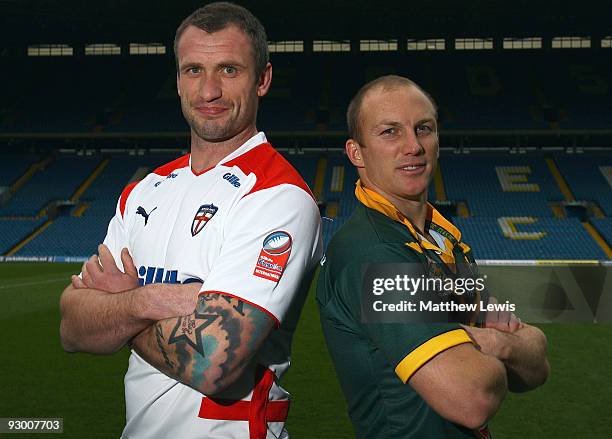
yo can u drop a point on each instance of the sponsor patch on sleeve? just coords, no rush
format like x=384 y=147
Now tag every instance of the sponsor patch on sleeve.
x=273 y=256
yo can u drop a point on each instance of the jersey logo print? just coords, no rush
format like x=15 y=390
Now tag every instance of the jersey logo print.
x=141 y=211
x=273 y=256
x=232 y=179
x=201 y=218
x=172 y=175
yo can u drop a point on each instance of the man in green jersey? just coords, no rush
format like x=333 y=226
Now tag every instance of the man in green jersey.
x=431 y=378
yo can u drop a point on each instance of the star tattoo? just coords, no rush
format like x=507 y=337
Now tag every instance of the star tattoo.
x=187 y=331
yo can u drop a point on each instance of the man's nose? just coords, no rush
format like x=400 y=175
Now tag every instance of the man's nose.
x=412 y=145
x=210 y=87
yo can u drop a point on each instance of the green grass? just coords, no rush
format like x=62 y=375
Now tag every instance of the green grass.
x=37 y=379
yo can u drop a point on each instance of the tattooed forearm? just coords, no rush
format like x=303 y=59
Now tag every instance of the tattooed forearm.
x=210 y=348
x=159 y=337
x=230 y=325
x=190 y=329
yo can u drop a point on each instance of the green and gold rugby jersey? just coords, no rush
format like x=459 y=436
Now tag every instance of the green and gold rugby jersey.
x=374 y=361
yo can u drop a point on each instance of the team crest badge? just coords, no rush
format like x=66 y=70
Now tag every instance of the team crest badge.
x=202 y=216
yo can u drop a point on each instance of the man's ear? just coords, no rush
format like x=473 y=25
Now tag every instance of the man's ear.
x=353 y=152
x=265 y=80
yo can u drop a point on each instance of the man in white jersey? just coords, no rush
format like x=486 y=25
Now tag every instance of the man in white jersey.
x=206 y=263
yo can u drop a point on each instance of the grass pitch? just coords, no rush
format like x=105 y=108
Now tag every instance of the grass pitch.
x=38 y=379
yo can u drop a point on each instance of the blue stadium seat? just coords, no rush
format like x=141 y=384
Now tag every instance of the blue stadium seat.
x=57 y=182
x=13 y=166
x=68 y=236
x=565 y=238
x=585 y=179
x=14 y=231
x=474 y=179
x=604 y=226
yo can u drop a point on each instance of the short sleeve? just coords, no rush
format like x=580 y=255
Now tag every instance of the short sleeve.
x=116 y=235
x=406 y=346
x=271 y=239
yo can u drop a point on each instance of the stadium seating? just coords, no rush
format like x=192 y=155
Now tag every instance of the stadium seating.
x=306 y=166
x=604 y=226
x=13 y=166
x=14 y=231
x=507 y=220
x=565 y=239
x=584 y=175
x=57 y=182
x=474 y=179
x=68 y=236
x=311 y=93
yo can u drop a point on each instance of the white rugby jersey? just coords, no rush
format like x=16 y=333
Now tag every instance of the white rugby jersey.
x=248 y=227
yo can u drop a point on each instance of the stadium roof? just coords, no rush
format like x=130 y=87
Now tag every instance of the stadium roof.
x=46 y=21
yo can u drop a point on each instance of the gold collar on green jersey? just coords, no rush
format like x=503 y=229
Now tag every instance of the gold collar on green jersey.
x=435 y=221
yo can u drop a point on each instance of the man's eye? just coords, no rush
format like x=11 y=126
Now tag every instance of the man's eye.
x=229 y=70
x=389 y=132
x=423 y=129
x=194 y=70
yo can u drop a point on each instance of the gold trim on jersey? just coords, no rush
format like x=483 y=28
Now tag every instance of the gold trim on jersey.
x=425 y=352
x=374 y=200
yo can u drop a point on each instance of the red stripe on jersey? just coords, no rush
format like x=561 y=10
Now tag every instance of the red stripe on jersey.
x=124 y=196
x=230 y=410
x=181 y=162
x=163 y=171
x=258 y=411
x=270 y=167
x=259 y=307
x=258 y=426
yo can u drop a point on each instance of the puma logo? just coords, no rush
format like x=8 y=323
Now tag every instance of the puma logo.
x=143 y=212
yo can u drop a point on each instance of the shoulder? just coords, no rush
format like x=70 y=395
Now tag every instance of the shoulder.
x=270 y=168
x=368 y=236
x=174 y=165
x=364 y=239
x=162 y=171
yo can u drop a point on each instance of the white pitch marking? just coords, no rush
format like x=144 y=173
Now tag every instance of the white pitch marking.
x=41 y=282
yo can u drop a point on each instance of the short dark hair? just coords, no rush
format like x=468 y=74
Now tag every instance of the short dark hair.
x=388 y=82
x=217 y=16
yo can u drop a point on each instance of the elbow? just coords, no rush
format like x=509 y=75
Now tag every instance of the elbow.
x=213 y=386
x=543 y=374
x=480 y=410
x=486 y=397
x=546 y=371
x=66 y=339
x=545 y=365
x=68 y=342
x=543 y=371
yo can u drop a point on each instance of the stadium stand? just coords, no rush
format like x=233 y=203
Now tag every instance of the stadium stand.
x=604 y=225
x=478 y=180
x=306 y=166
x=14 y=231
x=13 y=166
x=490 y=193
x=509 y=217
x=585 y=175
x=68 y=236
x=563 y=239
x=138 y=95
x=58 y=181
